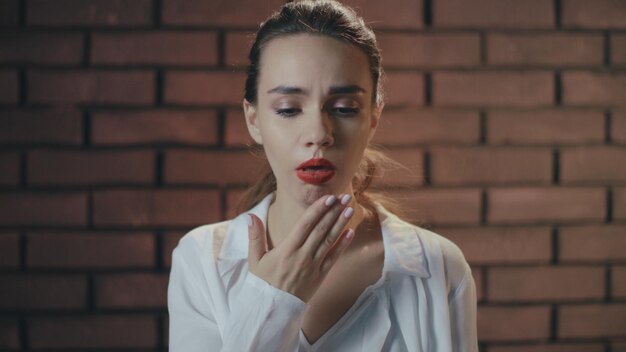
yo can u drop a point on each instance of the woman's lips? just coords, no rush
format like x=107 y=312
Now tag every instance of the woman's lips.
x=315 y=171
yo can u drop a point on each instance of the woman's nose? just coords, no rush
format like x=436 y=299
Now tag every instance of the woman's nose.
x=320 y=131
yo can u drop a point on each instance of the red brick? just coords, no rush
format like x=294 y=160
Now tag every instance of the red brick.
x=440 y=206
x=553 y=347
x=91 y=86
x=618 y=49
x=404 y=89
x=618 y=346
x=66 y=168
x=27 y=292
x=211 y=167
x=43 y=208
x=602 y=243
x=166 y=332
x=522 y=323
x=41 y=126
x=545 y=126
x=429 y=50
x=237 y=48
x=170 y=241
x=8 y=87
x=9 y=250
x=619 y=203
x=427 y=126
x=134 y=290
x=493 y=13
x=247 y=13
x=594 y=88
x=232 y=200
x=193 y=88
x=104 y=13
x=552 y=49
x=194 y=127
x=618 y=127
x=546 y=204
x=29 y=47
x=235 y=130
x=594 y=14
x=10 y=167
x=9 y=329
x=592 y=321
x=546 y=283
x=164 y=207
x=502 y=245
x=9 y=13
x=593 y=164
x=500 y=88
x=488 y=165
x=393 y=14
x=155 y=48
x=90 y=250
x=410 y=172
x=103 y=331
x=618 y=282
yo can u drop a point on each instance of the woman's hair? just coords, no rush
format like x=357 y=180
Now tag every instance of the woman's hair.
x=335 y=20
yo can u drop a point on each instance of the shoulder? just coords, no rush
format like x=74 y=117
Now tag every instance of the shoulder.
x=207 y=238
x=455 y=267
x=451 y=253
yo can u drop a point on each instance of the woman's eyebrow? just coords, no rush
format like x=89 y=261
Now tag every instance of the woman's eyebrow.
x=287 y=90
x=349 y=89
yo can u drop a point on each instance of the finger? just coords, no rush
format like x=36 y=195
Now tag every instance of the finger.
x=257 y=244
x=328 y=240
x=322 y=228
x=331 y=258
x=308 y=221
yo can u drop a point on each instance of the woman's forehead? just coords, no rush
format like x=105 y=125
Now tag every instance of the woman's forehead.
x=307 y=61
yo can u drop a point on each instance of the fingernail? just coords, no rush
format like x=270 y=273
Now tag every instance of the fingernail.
x=346 y=199
x=348 y=212
x=330 y=200
x=350 y=234
x=249 y=218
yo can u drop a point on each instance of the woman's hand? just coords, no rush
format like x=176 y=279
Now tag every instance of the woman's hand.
x=302 y=260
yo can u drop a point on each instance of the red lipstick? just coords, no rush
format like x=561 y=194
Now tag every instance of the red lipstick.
x=315 y=171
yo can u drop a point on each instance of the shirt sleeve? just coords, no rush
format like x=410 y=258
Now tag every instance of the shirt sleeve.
x=463 y=315
x=260 y=318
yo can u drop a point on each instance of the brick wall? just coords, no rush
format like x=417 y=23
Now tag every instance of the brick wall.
x=509 y=114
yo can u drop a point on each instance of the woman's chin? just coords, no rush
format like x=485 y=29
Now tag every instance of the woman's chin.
x=308 y=193
x=311 y=193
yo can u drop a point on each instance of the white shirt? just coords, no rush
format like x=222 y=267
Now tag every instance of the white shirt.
x=425 y=299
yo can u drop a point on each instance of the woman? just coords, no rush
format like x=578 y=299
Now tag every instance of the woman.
x=325 y=266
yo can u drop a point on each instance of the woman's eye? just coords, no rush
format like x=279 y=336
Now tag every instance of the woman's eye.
x=288 y=112
x=345 y=111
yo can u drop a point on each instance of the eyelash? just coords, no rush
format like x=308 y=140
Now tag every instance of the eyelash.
x=291 y=112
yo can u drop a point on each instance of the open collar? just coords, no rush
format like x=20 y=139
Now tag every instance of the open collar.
x=404 y=252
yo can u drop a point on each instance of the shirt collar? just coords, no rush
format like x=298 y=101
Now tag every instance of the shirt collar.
x=404 y=251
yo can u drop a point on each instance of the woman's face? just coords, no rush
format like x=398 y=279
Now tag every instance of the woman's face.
x=314 y=101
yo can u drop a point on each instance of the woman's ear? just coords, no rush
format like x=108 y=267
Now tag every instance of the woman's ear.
x=377 y=112
x=250 y=113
